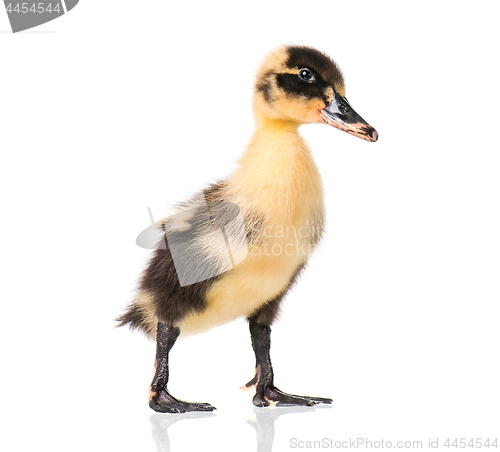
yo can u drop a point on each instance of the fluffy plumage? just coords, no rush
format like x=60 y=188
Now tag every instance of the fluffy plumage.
x=237 y=248
x=278 y=188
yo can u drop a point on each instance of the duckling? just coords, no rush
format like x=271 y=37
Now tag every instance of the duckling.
x=237 y=248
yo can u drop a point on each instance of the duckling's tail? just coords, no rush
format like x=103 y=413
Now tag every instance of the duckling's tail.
x=136 y=318
x=132 y=316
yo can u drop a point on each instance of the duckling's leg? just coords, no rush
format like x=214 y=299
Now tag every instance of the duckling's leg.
x=159 y=398
x=266 y=393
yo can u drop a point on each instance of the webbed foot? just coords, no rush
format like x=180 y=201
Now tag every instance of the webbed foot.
x=163 y=402
x=272 y=396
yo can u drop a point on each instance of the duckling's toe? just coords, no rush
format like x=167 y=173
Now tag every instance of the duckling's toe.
x=164 y=402
x=272 y=396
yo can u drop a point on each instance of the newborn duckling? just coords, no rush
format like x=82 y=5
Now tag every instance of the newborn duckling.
x=236 y=249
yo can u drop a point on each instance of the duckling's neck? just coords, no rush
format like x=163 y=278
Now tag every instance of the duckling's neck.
x=276 y=154
x=277 y=174
x=277 y=126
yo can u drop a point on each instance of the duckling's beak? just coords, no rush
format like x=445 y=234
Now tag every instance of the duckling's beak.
x=341 y=115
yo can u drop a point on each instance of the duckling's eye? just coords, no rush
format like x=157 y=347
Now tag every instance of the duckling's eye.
x=306 y=75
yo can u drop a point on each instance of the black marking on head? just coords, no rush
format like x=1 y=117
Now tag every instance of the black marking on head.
x=264 y=86
x=321 y=64
x=292 y=84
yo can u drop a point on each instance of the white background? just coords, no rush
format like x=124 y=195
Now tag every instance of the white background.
x=121 y=105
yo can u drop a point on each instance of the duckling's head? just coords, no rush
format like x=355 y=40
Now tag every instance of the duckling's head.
x=302 y=85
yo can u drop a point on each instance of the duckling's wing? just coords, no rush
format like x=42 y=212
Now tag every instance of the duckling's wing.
x=205 y=237
x=206 y=240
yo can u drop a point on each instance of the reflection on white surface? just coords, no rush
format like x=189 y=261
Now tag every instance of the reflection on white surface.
x=263 y=423
x=160 y=424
